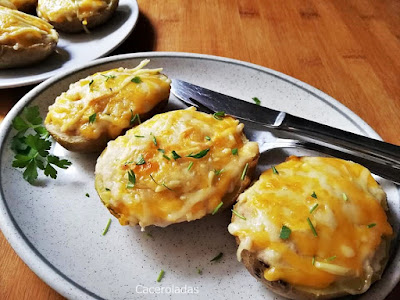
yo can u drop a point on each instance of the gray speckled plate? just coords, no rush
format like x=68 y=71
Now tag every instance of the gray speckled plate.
x=57 y=230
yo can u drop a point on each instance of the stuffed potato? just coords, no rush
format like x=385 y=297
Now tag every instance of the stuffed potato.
x=24 y=39
x=313 y=228
x=101 y=106
x=178 y=166
x=78 y=15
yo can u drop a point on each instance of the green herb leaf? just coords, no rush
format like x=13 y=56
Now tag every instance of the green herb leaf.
x=136 y=79
x=131 y=179
x=154 y=139
x=314 y=195
x=235 y=151
x=108 y=76
x=256 y=100
x=91 y=82
x=175 y=155
x=217 y=208
x=218 y=172
x=87 y=195
x=345 y=198
x=166 y=157
x=218 y=257
x=285 y=232
x=161 y=150
x=92 y=118
x=190 y=165
x=219 y=115
x=199 y=271
x=107 y=227
x=274 y=170
x=208 y=138
x=201 y=154
x=239 y=215
x=141 y=160
x=107 y=189
x=164 y=185
x=371 y=225
x=139 y=136
x=160 y=275
x=312 y=227
x=331 y=258
x=244 y=172
x=313 y=208
x=313 y=260
x=134 y=118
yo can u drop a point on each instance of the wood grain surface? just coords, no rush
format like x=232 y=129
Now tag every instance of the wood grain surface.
x=349 y=49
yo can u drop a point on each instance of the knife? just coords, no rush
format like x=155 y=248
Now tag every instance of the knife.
x=381 y=158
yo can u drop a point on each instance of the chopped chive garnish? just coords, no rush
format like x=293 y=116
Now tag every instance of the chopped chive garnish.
x=314 y=195
x=164 y=185
x=217 y=208
x=345 y=198
x=208 y=138
x=175 y=155
x=139 y=136
x=154 y=139
x=371 y=225
x=128 y=162
x=91 y=82
x=244 y=171
x=199 y=271
x=312 y=227
x=285 y=232
x=108 y=76
x=160 y=275
x=107 y=189
x=218 y=257
x=218 y=172
x=201 y=154
x=219 y=115
x=161 y=150
x=313 y=208
x=136 y=79
x=132 y=179
x=313 y=260
x=134 y=118
x=190 y=165
x=256 y=100
x=235 y=151
x=107 y=227
x=87 y=195
x=166 y=157
x=92 y=118
x=141 y=160
x=239 y=215
x=274 y=170
x=331 y=258
x=153 y=179
x=149 y=234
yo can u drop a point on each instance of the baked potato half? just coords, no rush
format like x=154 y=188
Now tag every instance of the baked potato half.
x=178 y=166
x=100 y=107
x=76 y=15
x=25 y=39
x=313 y=228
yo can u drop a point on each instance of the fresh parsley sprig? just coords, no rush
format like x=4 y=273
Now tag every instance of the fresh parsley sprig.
x=31 y=146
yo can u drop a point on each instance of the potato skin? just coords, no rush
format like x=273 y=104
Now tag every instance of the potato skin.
x=73 y=24
x=17 y=55
x=83 y=145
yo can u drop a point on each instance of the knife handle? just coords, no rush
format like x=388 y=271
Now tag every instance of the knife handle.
x=354 y=144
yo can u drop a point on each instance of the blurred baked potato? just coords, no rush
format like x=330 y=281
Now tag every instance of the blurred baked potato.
x=313 y=228
x=176 y=167
x=78 y=15
x=100 y=107
x=25 y=39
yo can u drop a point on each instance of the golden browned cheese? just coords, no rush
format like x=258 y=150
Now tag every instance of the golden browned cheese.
x=20 y=30
x=7 y=3
x=175 y=167
x=107 y=102
x=335 y=212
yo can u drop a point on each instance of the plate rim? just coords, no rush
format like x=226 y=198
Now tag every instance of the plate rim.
x=39 y=264
x=41 y=78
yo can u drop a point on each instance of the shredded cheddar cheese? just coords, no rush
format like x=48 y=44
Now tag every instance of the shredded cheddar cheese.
x=111 y=97
x=183 y=187
x=342 y=248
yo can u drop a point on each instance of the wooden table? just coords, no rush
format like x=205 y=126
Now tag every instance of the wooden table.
x=347 y=48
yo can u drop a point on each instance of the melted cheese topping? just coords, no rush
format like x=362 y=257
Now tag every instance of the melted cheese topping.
x=68 y=10
x=341 y=200
x=18 y=29
x=8 y=4
x=169 y=190
x=112 y=96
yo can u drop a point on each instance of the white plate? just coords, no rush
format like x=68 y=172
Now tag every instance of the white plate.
x=74 y=50
x=57 y=230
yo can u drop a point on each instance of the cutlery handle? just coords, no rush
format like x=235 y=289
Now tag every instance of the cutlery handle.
x=354 y=144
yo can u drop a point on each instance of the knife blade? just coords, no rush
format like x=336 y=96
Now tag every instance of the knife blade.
x=359 y=148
